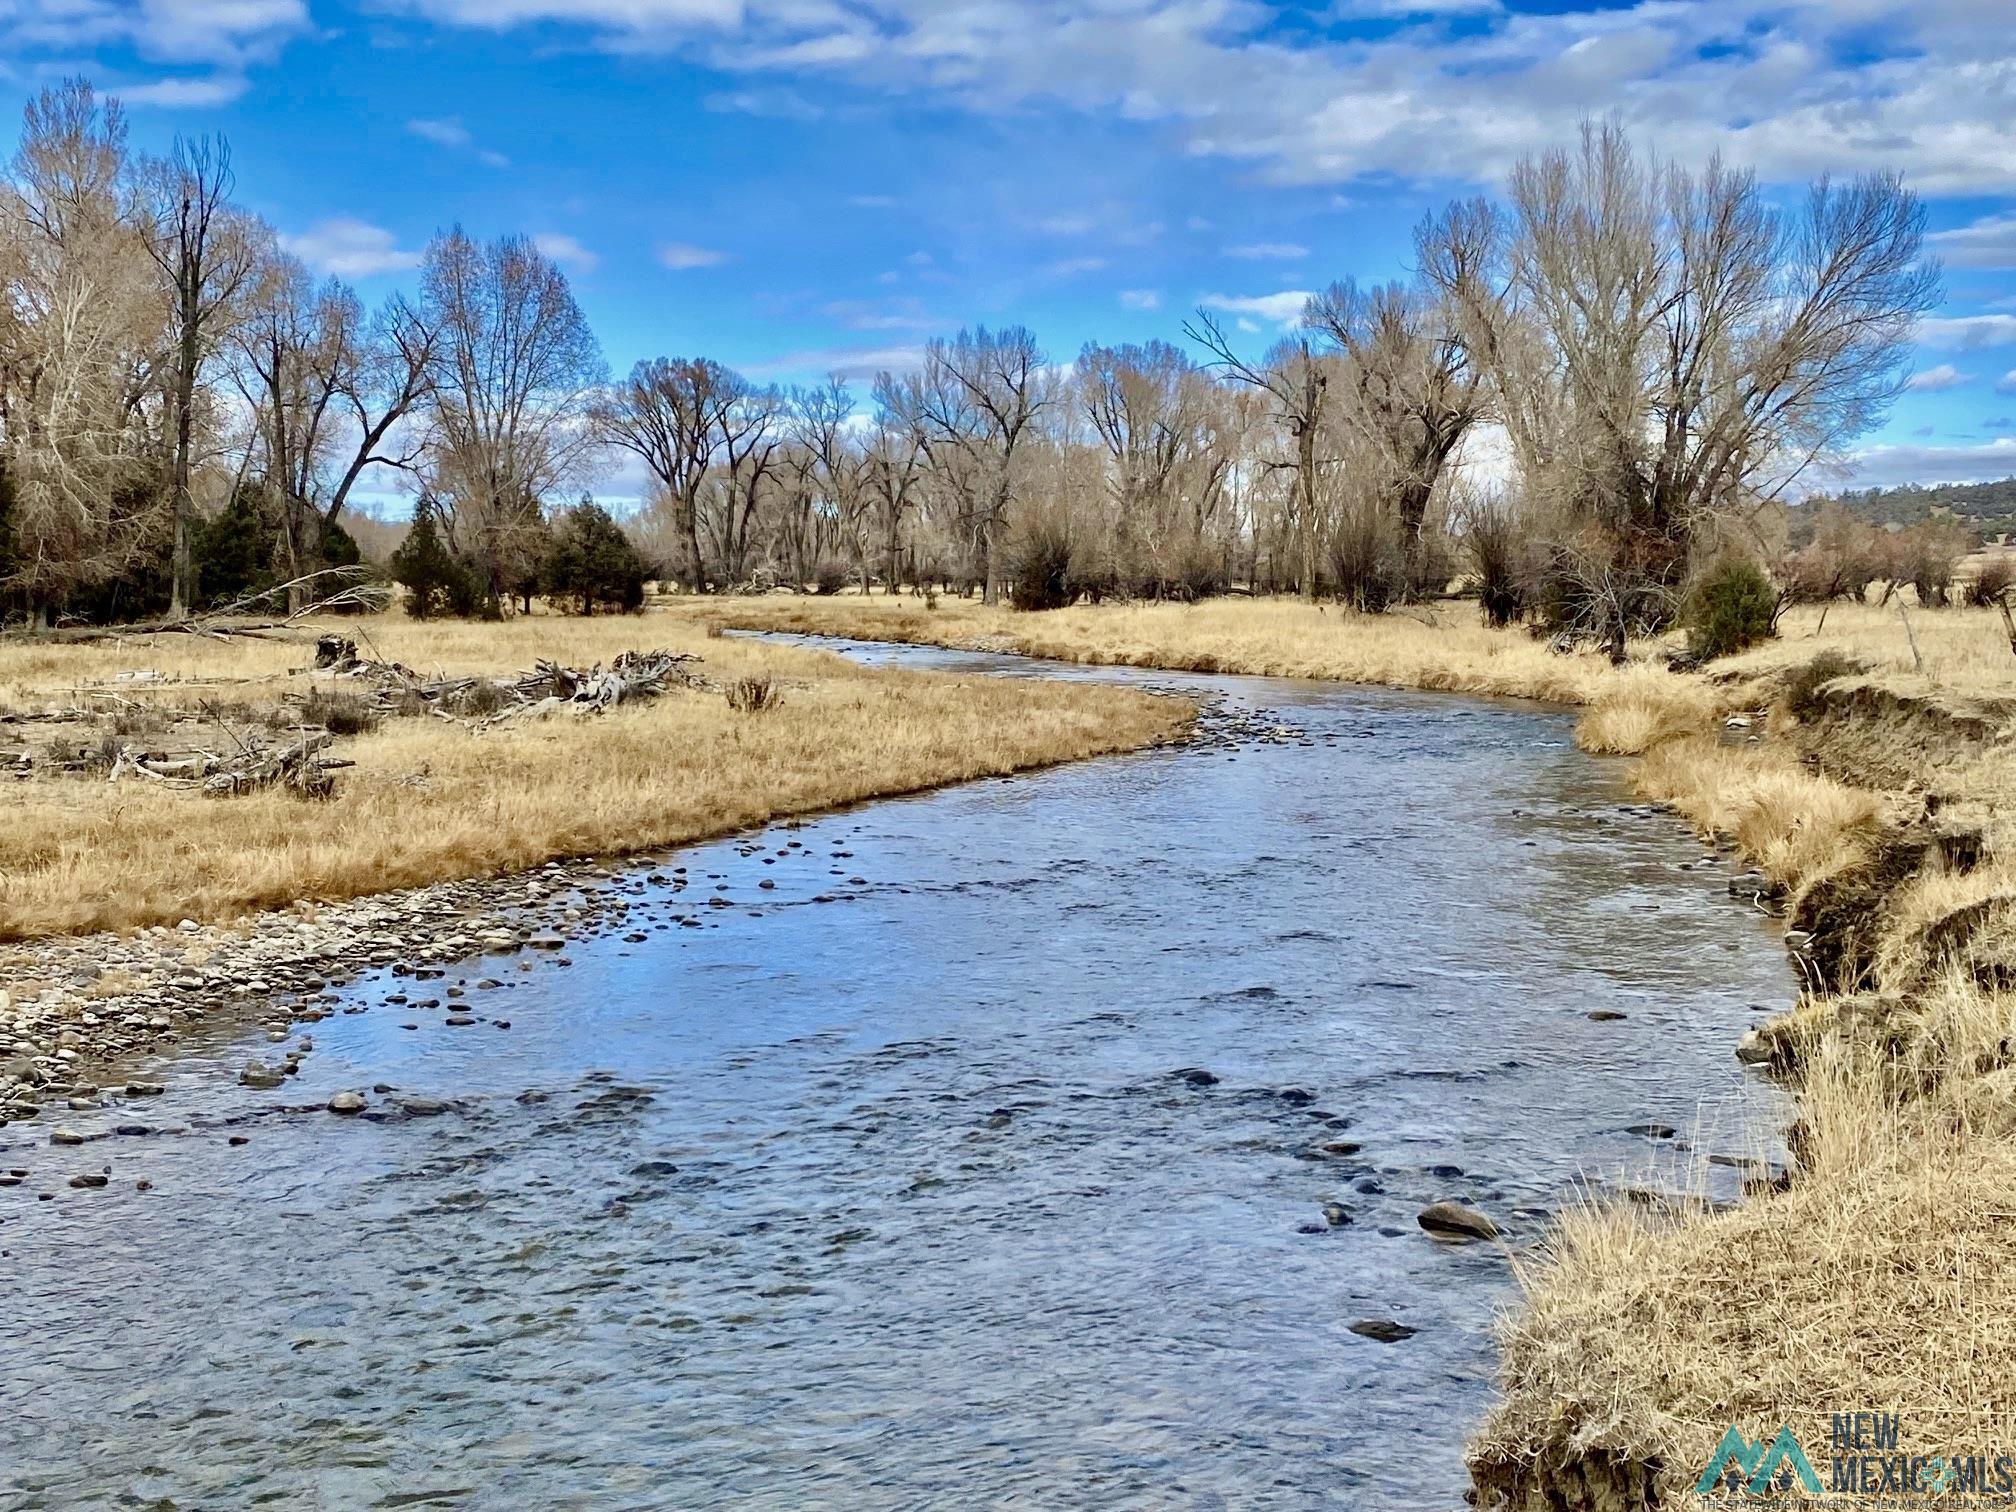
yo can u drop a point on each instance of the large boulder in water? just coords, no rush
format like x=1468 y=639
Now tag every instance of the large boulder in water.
x=1451 y=1221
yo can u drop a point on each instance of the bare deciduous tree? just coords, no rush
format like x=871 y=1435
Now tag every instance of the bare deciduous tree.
x=514 y=368
x=209 y=255
x=978 y=397
x=1298 y=380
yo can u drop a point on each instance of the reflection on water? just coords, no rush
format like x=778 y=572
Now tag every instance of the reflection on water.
x=905 y=1196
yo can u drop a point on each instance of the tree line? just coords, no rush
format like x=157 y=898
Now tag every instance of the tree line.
x=1658 y=354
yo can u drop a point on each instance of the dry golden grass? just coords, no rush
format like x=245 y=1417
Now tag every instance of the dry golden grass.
x=1884 y=1279
x=430 y=801
x=1794 y=824
x=1443 y=648
x=1440 y=648
x=1963 y=650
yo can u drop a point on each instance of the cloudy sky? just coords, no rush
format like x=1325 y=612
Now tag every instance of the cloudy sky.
x=794 y=186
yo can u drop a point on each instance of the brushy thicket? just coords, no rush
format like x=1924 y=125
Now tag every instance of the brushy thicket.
x=1732 y=607
x=1040 y=569
x=1992 y=584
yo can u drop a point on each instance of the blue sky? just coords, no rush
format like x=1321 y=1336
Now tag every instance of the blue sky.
x=794 y=186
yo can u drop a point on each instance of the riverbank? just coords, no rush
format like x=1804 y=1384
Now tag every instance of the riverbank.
x=119 y=900
x=1865 y=765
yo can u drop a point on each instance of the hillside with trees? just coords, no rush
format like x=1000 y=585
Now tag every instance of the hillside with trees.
x=1987 y=509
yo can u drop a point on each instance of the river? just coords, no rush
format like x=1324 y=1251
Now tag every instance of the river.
x=977 y=1159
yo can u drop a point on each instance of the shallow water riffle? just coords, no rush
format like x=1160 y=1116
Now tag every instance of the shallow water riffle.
x=967 y=1148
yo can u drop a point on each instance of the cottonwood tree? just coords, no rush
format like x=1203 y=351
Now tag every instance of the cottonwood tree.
x=977 y=398
x=1297 y=378
x=670 y=412
x=1665 y=347
x=208 y=253
x=513 y=370
x=328 y=391
x=751 y=432
x=840 y=466
x=80 y=333
x=1410 y=388
x=1149 y=410
x=895 y=462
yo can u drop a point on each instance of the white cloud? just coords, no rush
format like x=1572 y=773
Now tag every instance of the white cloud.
x=1987 y=243
x=778 y=104
x=896 y=315
x=2007 y=383
x=443 y=133
x=847 y=362
x=1072 y=267
x=681 y=256
x=1795 y=87
x=567 y=251
x=1883 y=466
x=1967 y=333
x=1140 y=299
x=1938 y=379
x=449 y=132
x=225 y=33
x=185 y=93
x=350 y=248
x=1264 y=251
x=1283 y=309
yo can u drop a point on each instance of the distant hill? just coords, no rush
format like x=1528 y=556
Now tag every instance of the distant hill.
x=1987 y=508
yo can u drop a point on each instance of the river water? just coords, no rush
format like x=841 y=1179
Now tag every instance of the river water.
x=977 y=1161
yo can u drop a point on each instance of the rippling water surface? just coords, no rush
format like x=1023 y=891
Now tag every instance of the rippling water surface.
x=887 y=1186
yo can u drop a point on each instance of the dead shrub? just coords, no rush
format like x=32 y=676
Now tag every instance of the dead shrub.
x=754 y=695
x=481 y=699
x=340 y=713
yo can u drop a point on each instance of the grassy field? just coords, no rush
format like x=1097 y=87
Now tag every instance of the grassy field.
x=430 y=800
x=1879 y=788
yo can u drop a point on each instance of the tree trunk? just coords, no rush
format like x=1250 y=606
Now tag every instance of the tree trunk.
x=1305 y=468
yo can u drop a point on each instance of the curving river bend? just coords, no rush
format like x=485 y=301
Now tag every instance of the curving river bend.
x=885 y=1186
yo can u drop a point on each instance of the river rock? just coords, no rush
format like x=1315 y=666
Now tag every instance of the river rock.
x=1336 y=1215
x=1606 y=1016
x=65 y=1137
x=90 y=1179
x=1753 y=1049
x=422 y=1107
x=1384 y=1330
x=1449 y=1220
x=347 y=1102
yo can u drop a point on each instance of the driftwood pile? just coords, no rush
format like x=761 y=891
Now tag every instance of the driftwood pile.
x=299 y=767
x=547 y=688
x=234 y=749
